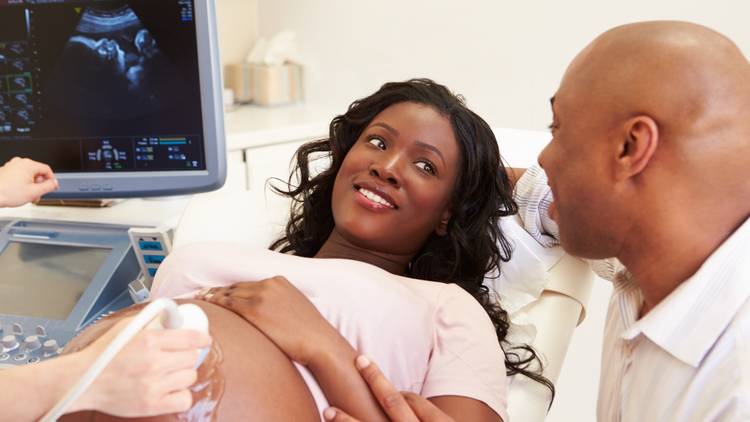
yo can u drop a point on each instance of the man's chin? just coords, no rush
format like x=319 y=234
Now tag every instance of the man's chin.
x=552 y=211
x=582 y=251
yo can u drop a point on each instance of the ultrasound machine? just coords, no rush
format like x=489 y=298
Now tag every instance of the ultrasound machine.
x=122 y=98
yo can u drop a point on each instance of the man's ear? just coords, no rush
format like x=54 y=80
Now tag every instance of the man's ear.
x=442 y=227
x=637 y=146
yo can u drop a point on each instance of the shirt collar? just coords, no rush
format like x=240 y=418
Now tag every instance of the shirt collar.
x=688 y=322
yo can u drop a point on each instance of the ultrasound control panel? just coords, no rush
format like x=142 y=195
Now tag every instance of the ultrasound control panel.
x=56 y=279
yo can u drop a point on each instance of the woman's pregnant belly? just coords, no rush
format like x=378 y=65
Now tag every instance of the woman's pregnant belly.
x=252 y=380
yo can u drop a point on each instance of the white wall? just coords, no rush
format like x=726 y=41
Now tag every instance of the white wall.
x=237 y=24
x=505 y=57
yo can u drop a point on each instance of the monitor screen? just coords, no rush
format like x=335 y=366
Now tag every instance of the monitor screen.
x=46 y=281
x=121 y=98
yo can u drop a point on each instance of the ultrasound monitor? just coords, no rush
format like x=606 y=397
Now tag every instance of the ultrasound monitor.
x=122 y=98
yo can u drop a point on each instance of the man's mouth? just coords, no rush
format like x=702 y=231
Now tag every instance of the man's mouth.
x=375 y=197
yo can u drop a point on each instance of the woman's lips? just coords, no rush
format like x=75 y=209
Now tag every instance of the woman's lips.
x=370 y=204
x=375 y=194
x=371 y=201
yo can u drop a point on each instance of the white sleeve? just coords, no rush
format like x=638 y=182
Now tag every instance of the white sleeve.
x=533 y=196
x=467 y=359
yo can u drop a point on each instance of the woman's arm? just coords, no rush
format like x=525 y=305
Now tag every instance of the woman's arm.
x=292 y=322
x=464 y=408
x=410 y=407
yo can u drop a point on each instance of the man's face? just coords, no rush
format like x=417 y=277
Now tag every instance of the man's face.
x=576 y=163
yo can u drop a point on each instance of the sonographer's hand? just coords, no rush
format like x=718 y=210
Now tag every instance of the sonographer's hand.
x=150 y=376
x=23 y=180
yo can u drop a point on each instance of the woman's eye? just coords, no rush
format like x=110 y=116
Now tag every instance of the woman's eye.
x=426 y=166
x=379 y=143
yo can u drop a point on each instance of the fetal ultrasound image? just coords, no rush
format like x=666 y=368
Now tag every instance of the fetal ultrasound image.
x=112 y=68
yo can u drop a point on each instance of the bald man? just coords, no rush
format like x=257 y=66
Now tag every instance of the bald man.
x=650 y=164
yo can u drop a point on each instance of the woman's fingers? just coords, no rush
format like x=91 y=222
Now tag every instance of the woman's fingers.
x=337 y=415
x=390 y=399
x=242 y=290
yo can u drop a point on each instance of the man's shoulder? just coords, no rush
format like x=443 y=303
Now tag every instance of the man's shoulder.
x=737 y=335
x=730 y=355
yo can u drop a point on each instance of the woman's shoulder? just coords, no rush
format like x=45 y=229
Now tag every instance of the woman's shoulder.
x=442 y=294
x=455 y=299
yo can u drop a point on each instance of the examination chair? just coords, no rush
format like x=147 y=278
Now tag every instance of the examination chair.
x=545 y=291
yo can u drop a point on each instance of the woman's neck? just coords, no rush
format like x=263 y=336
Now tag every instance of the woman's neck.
x=336 y=246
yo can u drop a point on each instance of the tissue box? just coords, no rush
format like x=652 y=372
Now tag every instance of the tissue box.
x=265 y=84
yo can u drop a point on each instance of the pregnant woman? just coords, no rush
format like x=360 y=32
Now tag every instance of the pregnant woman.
x=385 y=254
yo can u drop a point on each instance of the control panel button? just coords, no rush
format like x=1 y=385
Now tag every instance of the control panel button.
x=10 y=342
x=4 y=356
x=40 y=331
x=50 y=347
x=20 y=357
x=17 y=329
x=34 y=360
x=32 y=343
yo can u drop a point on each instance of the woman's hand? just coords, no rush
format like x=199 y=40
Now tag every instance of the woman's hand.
x=278 y=309
x=400 y=407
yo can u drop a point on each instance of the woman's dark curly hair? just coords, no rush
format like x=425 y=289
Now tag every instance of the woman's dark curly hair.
x=474 y=244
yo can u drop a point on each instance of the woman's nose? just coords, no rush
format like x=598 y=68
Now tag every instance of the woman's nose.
x=386 y=171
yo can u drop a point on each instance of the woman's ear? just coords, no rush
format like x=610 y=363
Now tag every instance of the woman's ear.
x=442 y=227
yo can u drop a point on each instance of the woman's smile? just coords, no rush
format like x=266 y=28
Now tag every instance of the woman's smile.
x=373 y=197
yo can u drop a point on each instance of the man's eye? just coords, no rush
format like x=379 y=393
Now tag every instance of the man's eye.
x=553 y=126
x=426 y=166
x=379 y=143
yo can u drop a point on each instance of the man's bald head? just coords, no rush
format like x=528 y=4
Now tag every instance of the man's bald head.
x=692 y=80
x=652 y=119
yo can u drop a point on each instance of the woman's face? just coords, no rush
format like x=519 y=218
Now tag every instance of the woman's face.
x=394 y=187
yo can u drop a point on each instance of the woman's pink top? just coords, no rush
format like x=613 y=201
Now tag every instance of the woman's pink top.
x=430 y=338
